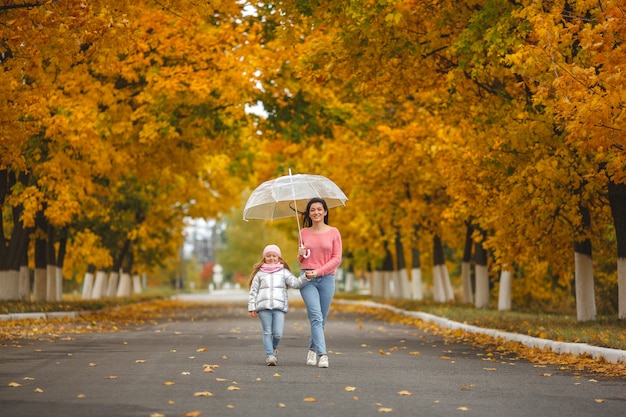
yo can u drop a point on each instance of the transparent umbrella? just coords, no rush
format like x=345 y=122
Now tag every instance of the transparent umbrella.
x=284 y=196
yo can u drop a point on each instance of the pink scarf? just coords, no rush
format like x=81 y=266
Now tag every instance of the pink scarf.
x=270 y=268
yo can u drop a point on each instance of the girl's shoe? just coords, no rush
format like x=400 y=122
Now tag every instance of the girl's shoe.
x=311 y=358
x=323 y=361
x=271 y=360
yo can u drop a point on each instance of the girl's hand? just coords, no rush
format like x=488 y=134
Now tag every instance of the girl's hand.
x=253 y=313
x=311 y=273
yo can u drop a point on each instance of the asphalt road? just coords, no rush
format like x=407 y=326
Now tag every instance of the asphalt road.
x=158 y=369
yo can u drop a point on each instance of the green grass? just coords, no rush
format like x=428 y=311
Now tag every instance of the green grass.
x=605 y=331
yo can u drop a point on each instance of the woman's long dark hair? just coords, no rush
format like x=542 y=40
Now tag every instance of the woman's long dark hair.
x=306 y=220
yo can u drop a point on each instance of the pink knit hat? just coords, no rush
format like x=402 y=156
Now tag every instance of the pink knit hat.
x=271 y=248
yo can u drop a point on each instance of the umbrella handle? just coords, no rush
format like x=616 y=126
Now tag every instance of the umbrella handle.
x=308 y=252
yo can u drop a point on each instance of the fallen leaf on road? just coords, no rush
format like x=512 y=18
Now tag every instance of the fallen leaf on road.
x=233 y=388
x=593 y=380
x=310 y=400
x=385 y=410
x=221 y=379
x=404 y=392
x=28 y=378
x=202 y=394
x=463 y=409
x=545 y=374
x=414 y=353
x=173 y=350
x=281 y=405
x=169 y=383
x=185 y=373
x=490 y=369
x=111 y=377
x=599 y=400
x=349 y=389
x=277 y=374
x=38 y=389
x=466 y=387
x=224 y=357
x=93 y=364
x=157 y=415
x=178 y=333
x=192 y=413
x=81 y=396
x=140 y=361
x=202 y=349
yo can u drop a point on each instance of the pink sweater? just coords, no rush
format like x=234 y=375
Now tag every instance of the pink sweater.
x=326 y=251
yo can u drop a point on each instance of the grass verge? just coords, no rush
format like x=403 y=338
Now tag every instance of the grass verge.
x=604 y=332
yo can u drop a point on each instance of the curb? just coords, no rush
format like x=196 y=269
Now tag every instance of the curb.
x=596 y=352
x=40 y=316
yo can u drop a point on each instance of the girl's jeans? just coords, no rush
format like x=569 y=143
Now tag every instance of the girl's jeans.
x=272 y=323
x=317 y=295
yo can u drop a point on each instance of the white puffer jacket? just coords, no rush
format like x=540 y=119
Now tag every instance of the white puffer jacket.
x=269 y=290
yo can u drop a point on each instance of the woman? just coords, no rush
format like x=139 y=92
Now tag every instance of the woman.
x=320 y=255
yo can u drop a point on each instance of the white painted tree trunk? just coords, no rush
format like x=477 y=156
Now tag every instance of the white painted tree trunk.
x=136 y=284
x=447 y=285
x=504 y=294
x=51 y=283
x=439 y=294
x=416 y=284
x=40 y=286
x=466 y=280
x=99 y=287
x=59 y=281
x=378 y=283
x=621 y=288
x=87 y=285
x=394 y=277
x=387 y=284
x=24 y=283
x=124 y=287
x=482 y=287
x=349 y=284
x=112 y=285
x=585 y=293
x=9 y=285
x=405 y=287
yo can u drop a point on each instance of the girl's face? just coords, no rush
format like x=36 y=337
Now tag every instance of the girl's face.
x=317 y=212
x=271 y=258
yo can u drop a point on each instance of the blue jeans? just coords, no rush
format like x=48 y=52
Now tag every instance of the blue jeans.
x=272 y=323
x=317 y=295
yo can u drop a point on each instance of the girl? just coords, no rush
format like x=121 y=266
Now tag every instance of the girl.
x=268 y=285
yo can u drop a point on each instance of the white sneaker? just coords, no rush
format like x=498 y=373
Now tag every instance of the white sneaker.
x=311 y=358
x=271 y=360
x=323 y=361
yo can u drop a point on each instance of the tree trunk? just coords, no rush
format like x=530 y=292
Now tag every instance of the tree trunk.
x=403 y=273
x=24 y=276
x=388 y=272
x=585 y=293
x=617 y=199
x=88 y=282
x=466 y=266
x=416 y=275
x=51 y=265
x=11 y=251
x=100 y=285
x=482 y=276
x=442 y=289
x=41 y=263
x=59 y=264
x=504 y=295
